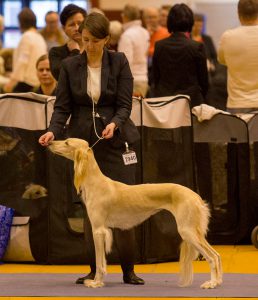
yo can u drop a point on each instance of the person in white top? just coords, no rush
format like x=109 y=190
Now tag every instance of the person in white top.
x=134 y=42
x=31 y=46
x=238 y=50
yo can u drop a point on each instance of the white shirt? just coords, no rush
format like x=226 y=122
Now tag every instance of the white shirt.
x=238 y=50
x=134 y=42
x=94 y=83
x=31 y=46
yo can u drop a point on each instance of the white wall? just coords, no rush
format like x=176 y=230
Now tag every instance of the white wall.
x=221 y=14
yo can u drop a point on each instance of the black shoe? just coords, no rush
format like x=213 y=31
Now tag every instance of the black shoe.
x=90 y=276
x=131 y=278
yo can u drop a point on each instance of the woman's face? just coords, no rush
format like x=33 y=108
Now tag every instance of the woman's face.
x=92 y=45
x=44 y=74
x=71 y=27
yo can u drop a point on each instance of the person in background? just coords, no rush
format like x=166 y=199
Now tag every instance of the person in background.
x=71 y=18
x=99 y=79
x=115 y=31
x=31 y=46
x=134 y=42
x=156 y=31
x=46 y=79
x=238 y=50
x=179 y=63
x=52 y=33
x=199 y=36
x=163 y=15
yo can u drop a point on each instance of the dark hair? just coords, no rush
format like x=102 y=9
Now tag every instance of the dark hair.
x=41 y=58
x=248 y=9
x=97 y=24
x=27 y=18
x=69 y=11
x=180 y=18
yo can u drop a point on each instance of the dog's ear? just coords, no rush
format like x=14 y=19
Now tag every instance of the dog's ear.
x=80 y=167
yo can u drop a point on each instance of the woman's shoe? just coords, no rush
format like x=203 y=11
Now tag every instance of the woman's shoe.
x=131 y=278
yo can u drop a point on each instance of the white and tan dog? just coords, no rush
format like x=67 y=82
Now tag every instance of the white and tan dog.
x=112 y=204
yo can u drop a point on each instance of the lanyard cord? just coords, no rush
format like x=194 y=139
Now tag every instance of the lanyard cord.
x=93 y=112
x=94 y=121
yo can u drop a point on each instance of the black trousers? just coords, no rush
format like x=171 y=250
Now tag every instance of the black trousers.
x=124 y=241
x=110 y=161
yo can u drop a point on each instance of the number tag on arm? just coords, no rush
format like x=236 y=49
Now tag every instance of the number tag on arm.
x=129 y=157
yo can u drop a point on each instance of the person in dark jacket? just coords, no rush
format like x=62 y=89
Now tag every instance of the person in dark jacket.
x=179 y=63
x=71 y=18
x=95 y=88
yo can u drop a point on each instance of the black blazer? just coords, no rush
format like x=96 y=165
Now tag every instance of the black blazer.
x=57 y=55
x=180 y=67
x=114 y=105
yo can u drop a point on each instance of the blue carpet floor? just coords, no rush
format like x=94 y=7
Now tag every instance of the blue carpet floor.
x=157 y=285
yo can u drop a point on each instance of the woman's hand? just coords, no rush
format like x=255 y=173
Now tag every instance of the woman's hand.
x=108 y=132
x=46 y=138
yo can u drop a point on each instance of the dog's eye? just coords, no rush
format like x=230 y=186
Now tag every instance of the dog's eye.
x=66 y=143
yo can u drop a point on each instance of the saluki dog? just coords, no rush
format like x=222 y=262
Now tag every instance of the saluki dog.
x=112 y=204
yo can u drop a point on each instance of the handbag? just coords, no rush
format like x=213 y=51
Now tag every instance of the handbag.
x=6 y=218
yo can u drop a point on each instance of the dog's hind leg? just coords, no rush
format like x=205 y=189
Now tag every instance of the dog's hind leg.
x=99 y=242
x=217 y=262
x=211 y=256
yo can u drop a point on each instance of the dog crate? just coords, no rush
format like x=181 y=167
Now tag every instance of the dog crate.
x=166 y=156
x=253 y=141
x=38 y=223
x=223 y=176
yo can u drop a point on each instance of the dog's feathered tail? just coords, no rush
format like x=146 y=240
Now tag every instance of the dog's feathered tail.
x=188 y=251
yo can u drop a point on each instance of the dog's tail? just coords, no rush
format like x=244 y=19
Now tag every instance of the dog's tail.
x=188 y=251
x=187 y=255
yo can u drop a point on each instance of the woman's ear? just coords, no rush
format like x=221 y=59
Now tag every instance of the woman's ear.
x=80 y=167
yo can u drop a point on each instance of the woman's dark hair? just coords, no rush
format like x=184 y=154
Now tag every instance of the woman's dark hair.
x=97 y=24
x=27 y=19
x=69 y=11
x=180 y=18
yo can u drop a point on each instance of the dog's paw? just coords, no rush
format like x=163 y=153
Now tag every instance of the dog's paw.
x=209 y=284
x=93 y=283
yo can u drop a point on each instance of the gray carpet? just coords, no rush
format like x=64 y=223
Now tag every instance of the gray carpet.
x=157 y=285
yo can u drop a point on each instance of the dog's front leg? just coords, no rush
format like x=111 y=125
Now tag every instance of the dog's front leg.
x=99 y=243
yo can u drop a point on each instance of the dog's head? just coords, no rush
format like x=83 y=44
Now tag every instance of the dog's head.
x=76 y=150
x=68 y=148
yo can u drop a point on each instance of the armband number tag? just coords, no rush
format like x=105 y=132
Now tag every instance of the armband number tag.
x=129 y=158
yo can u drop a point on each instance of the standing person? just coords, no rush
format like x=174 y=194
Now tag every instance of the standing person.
x=52 y=33
x=46 y=79
x=199 y=36
x=179 y=63
x=134 y=42
x=163 y=15
x=71 y=18
x=31 y=46
x=95 y=88
x=156 y=31
x=238 y=50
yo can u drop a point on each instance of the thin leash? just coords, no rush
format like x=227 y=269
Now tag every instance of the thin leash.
x=100 y=138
